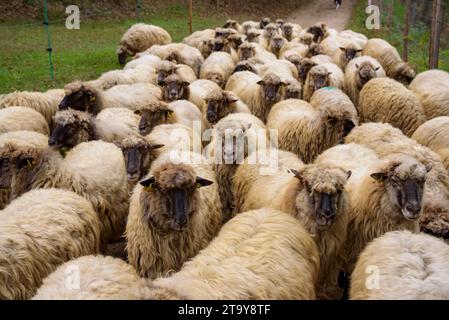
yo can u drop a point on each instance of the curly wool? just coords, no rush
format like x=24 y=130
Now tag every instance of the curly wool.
x=22 y=118
x=335 y=78
x=43 y=228
x=218 y=67
x=140 y=37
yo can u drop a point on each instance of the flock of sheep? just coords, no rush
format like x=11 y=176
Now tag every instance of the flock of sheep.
x=354 y=206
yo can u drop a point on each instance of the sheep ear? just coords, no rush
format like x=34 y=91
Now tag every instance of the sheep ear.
x=185 y=84
x=148 y=182
x=260 y=82
x=348 y=174
x=169 y=113
x=156 y=146
x=428 y=167
x=201 y=182
x=379 y=176
x=342 y=48
x=376 y=69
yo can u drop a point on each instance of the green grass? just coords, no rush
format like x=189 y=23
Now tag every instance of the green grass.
x=418 y=38
x=77 y=54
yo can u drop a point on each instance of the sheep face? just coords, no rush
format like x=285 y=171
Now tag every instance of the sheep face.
x=293 y=91
x=151 y=118
x=235 y=40
x=122 y=55
x=165 y=69
x=70 y=129
x=80 y=97
x=219 y=107
x=318 y=31
x=233 y=137
x=170 y=197
x=246 y=51
x=277 y=42
x=365 y=72
x=314 y=50
x=231 y=24
x=207 y=47
x=271 y=88
x=350 y=53
x=404 y=73
x=253 y=36
x=221 y=44
x=217 y=78
x=307 y=38
x=304 y=66
x=173 y=88
x=287 y=30
x=318 y=78
x=271 y=30
x=279 y=23
x=323 y=196
x=404 y=181
x=5 y=169
x=25 y=169
x=243 y=66
x=264 y=22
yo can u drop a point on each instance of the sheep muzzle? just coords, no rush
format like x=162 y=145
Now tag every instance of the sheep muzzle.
x=411 y=199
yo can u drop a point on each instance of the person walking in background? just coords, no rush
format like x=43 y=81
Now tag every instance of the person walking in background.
x=338 y=4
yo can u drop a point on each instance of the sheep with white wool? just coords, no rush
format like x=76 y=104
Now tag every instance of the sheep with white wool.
x=22 y=118
x=269 y=31
x=259 y=94
x=234 y=25
x=323 y=75
x=245 y=263
x=46 y=103
x=390 y=60
x=313 y=194
x=341 y=50
x=358 y=72
x=291 y=30
x=410 y=267
x=148 y=60
x=287 y=72
x=200 y=39
x=174 y=213
x=309 y=129
x=140 y=37
x=386 y=100
x=320 y=31
x=249 y=50
x=294 y=48
x=83 y=96
x=94 y=170
x=432 y=89
x=100 y=278
x=276 y=44
x=218 y=68
x=107 y=80
x=250 y=25
x=166 y=68
x=357 y=37
x=43 y=228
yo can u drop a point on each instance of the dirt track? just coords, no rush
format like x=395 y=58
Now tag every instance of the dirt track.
x=323 y=10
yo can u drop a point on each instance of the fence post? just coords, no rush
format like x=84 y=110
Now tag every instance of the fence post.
x=49 y=48
x=190 y=15
x=390 y=14
x=435 y=35
x=138 y=10
x=408 y=4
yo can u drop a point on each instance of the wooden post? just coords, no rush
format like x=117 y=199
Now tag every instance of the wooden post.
x=435 y=35
x=390 y=14
x=190 y=15
x=408 y=4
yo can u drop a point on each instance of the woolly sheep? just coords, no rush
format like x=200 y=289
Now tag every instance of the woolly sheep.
x=100 y=278
x=294 y=48
x=323 y=75
x=107 y=80
x=249 y=50
x=410 y=267
x=259 y=94
x=276 y=44
x=22 y=118
x=83 y=96
x=434 y=135
x=269 y=31
x=291 y=30
x=244 y=262
x=72 y=127
x=248 y=25
x=357 y=37
x=432 y=89
x=160 y=236
x=386 y=100
x=295 y=194
x=41 y=230
x=234 y=25
x=199 y=40
x=148 y=60
x=309 y=129
x=341 y=50
x=218 y=68
x=94 y=170
x=166 y=68
x=358 y=72
x=319 y=31
x=46 y=103
x=390 y=60
x=140 y=37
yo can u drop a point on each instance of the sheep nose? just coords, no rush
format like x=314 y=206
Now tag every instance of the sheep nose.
x=51 y=142
x=413 y=209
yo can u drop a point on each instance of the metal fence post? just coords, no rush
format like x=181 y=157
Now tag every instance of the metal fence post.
x=49 y=48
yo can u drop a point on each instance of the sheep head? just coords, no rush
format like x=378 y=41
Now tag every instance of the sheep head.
x=403 y=178
x=303 y=65
x=307 y=38
x=314 y=50
x=164 y=69
x=6 y=162
x=271 y=86
x=403 y=73
x=279 y=23
x=71 y=127
x=253 y=35
x=321 y=193
x=232 y=24
x=139 y=154
x=264 y=22
x=287 y=30
x=244 y=65
x=221 y=44
x=122 y=54
x=350 y=52
x=235 y=40
x=271 y=30
x=318 y=31
x=224 y=32
x=174 y=88
x=318 y=78
x=152 y=115
x=170 y=196
x=246 y=51
x=80 y=96
x=365 y=72
x=276 y=44
x=219 y=105
x=293 y=90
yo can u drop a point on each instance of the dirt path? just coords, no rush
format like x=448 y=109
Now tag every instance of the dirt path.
x=323 y=10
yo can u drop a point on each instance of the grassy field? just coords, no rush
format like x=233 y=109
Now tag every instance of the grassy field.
x=419 y=35
x=77 y=54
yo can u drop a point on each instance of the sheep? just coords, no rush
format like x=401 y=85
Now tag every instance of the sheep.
x=174 y=213
x=94 y=170
x=359 y=38
x=409 y=267
x=386 y=140
x=291 y=30
x=198 y=39
x=250 y=25
x=259 y=94
x=234 y=25
x=309 y=129
x=236 y=40
x=218 y=68
x=179 y=111
x=140 y=37
x=276 y=44
x=22 y=118
x=148 y=60
x=260 y=254
x=431 y=87
x=287 y=72
x=140 y=151
x=72 y=127
x=232 y=139
x=83 y=96
x=390 y=60
x=181 y=53
x=107 y=80
x=224 y=33
x=248 y=65
x=341 y=50
x=294 y=188
x=434 y=135
x=319 y=31
x=303 y=66
x=253 y=35
x=358 y=72
x=386 y=100
x=383 y=195
x=41 y=230
x=166 y=68
x=293 y=48
x=100 y=278
x=46 y=103
x=323 y=75
x=249 y=50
